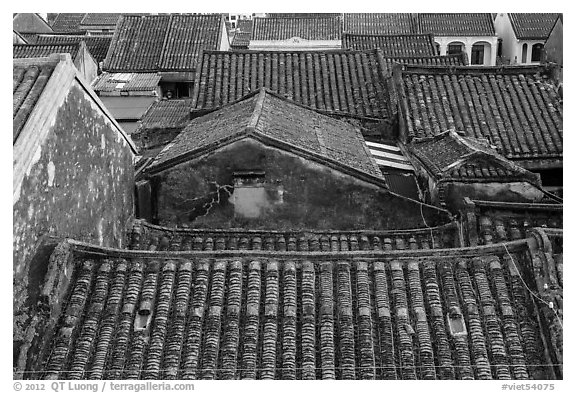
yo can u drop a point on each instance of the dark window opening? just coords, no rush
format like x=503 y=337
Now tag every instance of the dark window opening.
x=537 y=52
x=172 y=90
x=499 y=50
x=524 y=53
x=455 y=49
x=477 y=54
x=437 y=46
x=551 y=177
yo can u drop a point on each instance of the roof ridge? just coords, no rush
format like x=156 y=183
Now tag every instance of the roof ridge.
x=257 y=112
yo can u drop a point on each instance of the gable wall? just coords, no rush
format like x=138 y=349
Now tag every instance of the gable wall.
x=297 y=194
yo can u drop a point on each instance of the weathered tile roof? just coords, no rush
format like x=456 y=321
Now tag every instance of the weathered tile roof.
x=392 y=45
x=241 y=40
x=320 y=28
x=450 y=156
x=275 y=120
x=66 y=23
x=302 y=15
x=314 y=314
x=444 y=60
x=145 y=236
x=457 y=24
x=27 y=51
x=100 y=19
x=338 y=82
x=514 y=108
x=162 y=42
x=532 y=26
x=28 y=83
x=497 y=222
x=378 y=23
x=167 y=114
x=117 y=81
x=97 y=45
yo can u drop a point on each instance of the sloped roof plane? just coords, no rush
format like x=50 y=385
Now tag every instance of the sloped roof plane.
x=515 y=108
x=97 y=45
x=316 y=28
x=532 y=26
x=67 y=22
x=399 y=45
x=339 y=82
x=457 y=24
x=379 y=23
x=274 y=120
x=449 y=156
x=162 y=42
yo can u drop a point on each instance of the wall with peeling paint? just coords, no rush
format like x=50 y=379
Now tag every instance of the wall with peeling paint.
x=80 y=185
x=299 y=194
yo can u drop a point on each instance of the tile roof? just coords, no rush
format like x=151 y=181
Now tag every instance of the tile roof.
x=392 y=45
x=379 y=23
x=27 y=51
x=29 y=82
x=244 y=25
x=450 y=156
x=97 y=45
x=66 y=23
x=275 y=120
x=444 y=60
x=515 y=108
x=348 y=83
x=314 y=135
x=100 y=19
x=162 y=42
x=321 y=28
x=117 y=81
x=145 y=236
x=532 y=26
x=302 y=15
x=457 y=24
x=167 y=114
x=497 y=222
x=415 y=314
x=241 y=40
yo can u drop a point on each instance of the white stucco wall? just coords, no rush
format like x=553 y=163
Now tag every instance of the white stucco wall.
x=224 y=41
x=490 y=47
x=511 y=46
x=295 y=43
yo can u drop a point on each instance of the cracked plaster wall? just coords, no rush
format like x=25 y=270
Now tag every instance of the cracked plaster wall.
x=299 y=194
x=80 y=186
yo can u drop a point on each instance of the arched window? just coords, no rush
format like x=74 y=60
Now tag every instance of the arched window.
x=455 y=48
x=524 y=52
x=537 y=52
x=477 y=54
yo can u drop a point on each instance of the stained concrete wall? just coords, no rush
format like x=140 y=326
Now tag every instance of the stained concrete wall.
x=297 y=194
x=80 y=185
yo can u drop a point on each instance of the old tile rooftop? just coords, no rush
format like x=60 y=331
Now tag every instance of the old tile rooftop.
x=515 y=108
x=314 y=314
x=347 y=83
x=162 y=42
x=275 y=120
x=379 y=23
x=457 y=24
x=450 y=156
x=127 y=82
x=167 y=114
x=67 y=22
x=310 y=28
x=43 y=50
x=532 y=26
x=28 y=82
x=97 y=45
x=403 y=45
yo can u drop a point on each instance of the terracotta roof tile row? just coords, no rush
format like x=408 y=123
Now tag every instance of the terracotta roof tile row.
x=302 y=15
x=514 y=108
x=404 y=45
x=247 y=317
x=27 y=51
x=28 y=83
x=443 y=60
x=145 y=236
x=241 y=40
x=457 y=24
x=336 y=82
x=98 y=46
x=318 y=28
x=162 y=42
x=532 y=26
x=379 y=23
